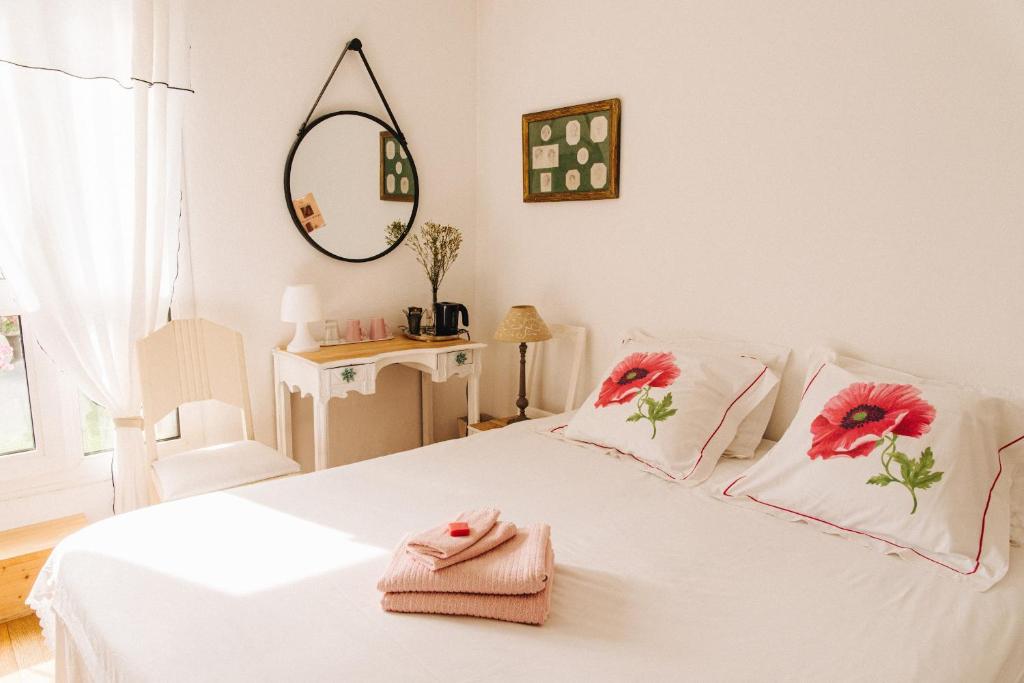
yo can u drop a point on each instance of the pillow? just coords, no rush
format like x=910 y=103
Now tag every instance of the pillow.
x=671 y=409
x=752 y=428
x=908 y=466
x=820 y=356
x=215 y=468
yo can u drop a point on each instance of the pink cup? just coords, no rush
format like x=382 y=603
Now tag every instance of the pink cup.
x=353 y=331
x=379 y=329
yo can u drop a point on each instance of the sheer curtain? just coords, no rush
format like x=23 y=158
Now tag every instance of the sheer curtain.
x=90 y=190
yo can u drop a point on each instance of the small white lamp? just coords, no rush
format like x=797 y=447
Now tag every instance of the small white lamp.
x=301 y=305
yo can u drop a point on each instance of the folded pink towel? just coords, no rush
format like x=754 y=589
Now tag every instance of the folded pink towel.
x=438 y=543
x=515 y=567
x=522 y=609
x=499 y=533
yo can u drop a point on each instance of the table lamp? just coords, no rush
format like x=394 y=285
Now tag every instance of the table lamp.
x=301 y=305
x=522 y=324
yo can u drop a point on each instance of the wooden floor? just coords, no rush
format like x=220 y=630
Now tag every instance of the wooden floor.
x=24 y=657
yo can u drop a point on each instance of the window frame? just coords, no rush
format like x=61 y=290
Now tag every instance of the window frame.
x=58 y=460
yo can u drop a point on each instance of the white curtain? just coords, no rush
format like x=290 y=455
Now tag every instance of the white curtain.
x=90 y=190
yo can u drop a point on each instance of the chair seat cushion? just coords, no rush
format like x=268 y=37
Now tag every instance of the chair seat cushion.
x=219 y=467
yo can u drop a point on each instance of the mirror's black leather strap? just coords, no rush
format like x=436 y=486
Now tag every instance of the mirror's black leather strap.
x=354 y=44
x=391 y=114
x=357 y=45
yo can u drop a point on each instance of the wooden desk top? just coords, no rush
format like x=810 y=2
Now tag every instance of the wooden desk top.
x=370 y=349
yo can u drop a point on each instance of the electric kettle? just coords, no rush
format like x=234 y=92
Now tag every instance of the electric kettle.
x=446 y=318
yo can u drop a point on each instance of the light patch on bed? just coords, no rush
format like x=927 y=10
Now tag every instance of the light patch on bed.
x=242 y=547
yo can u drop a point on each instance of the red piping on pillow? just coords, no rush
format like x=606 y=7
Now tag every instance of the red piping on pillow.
x=722 y=421
x=812 y=381
x=984 y=515
x=613 y=448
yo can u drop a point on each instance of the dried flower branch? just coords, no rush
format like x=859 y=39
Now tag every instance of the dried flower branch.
x=436 y=247
x=393 y=232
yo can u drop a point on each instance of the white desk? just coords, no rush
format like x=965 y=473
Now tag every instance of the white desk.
x=338 y=370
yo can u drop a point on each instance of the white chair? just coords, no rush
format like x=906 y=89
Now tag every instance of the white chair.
x=555 y=362
x=197 y=360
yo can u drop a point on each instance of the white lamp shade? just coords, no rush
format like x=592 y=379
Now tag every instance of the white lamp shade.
x=301 y=304
x=12 y=304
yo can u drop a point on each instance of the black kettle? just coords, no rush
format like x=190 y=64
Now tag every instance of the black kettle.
x=446 y=318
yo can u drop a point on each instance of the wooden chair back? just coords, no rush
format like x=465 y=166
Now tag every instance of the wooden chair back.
x=556 y=362
x=187 y=361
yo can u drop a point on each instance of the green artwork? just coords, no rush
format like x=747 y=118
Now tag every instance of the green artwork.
x=396 y=180
x=571 y=153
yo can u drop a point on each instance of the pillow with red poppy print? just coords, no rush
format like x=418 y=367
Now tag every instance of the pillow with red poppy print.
x=751 y=430
x=1013 y=404
x=672 y=410
x=905 y=465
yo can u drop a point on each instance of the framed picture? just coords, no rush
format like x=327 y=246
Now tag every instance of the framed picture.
x=396 y=181
x=572 y=153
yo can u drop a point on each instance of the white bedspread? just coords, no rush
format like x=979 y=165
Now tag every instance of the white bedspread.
x=654 y=581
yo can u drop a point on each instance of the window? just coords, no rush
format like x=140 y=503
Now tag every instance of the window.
x=98 y=428
x=17 y=432
x=50 y=433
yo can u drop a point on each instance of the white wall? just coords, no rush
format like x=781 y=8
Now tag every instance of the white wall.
x=792 y=172
x=256 y=68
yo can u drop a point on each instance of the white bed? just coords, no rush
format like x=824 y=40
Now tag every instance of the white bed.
x=654 y=581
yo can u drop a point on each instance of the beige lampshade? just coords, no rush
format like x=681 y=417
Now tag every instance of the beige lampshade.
x=522 y=324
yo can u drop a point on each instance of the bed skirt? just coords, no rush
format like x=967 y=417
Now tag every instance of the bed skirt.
x=68 y=665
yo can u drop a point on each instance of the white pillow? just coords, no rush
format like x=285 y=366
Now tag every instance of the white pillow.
x=914 y=468
x=215 y=468
x=752 y=428
x=672 y=409
x=1013 y=402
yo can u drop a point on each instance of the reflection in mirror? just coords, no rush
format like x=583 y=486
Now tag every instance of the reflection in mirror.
x=350 y=185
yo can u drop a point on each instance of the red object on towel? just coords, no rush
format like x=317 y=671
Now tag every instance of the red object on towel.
x=458 y=529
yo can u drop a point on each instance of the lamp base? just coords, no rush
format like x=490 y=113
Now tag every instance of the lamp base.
x=521 y=402
x=303 y=341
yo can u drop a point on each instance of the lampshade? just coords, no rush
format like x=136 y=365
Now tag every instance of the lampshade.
x=300 y=304
x=522 y=324
x=10 y=304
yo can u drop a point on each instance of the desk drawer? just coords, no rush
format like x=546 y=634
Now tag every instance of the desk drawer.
x=351 y=377
x=458 y=361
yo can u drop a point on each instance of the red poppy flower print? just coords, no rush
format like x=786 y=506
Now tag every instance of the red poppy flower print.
x=866 y=416
x=633 y=373
x=852 y=421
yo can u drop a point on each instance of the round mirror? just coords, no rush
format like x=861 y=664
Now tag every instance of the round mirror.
x=351 y=186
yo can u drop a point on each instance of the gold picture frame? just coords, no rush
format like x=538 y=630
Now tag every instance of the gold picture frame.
x=572 y=153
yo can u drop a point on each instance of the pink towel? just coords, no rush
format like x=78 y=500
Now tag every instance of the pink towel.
x=499 y=533
x=438 y=543
x=522 y=609
x=515 y=567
